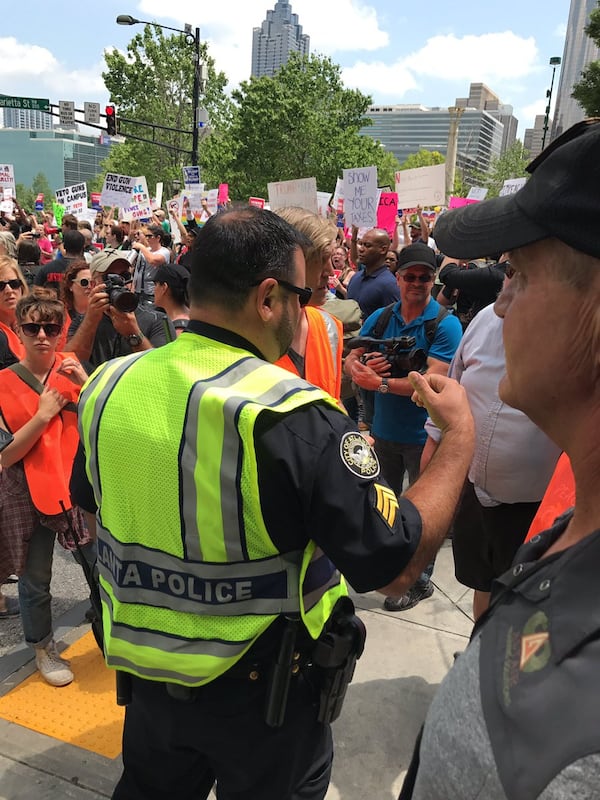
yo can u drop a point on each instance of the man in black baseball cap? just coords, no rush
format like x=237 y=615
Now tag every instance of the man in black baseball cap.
x=518 y=713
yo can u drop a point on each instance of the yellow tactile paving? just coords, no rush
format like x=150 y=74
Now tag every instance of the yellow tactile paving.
x=84 y=713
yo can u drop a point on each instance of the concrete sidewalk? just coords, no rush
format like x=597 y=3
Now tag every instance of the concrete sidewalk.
x=406 y=656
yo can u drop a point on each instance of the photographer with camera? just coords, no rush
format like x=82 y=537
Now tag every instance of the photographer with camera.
x=398 y=424
x=114 y=325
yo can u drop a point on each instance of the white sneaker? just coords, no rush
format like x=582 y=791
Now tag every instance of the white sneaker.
x=54 y=669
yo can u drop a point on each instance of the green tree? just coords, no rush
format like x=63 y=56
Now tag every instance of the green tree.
x=27 y=195
x=587 y=90
x=510 y=164
x=424 y=158
x=302 y=122
x=153 y=83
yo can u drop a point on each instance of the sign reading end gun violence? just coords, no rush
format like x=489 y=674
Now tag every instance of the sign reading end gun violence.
x=117 y=190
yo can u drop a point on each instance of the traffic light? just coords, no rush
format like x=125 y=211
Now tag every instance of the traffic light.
x=111 y=120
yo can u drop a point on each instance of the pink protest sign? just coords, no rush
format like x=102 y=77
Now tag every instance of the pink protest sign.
x=459 y=202
x=387 y=211
x=259 y=202
x=223 y=195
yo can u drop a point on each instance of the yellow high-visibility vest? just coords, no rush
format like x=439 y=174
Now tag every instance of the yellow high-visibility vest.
x=189 y=575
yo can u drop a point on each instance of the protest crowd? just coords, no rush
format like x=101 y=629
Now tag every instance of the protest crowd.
x=435 y=365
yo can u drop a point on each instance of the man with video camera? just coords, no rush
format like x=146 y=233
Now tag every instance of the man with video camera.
x=114 y=325
x=432 y=336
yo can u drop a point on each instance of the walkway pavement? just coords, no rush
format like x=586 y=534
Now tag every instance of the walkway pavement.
x=405 y=658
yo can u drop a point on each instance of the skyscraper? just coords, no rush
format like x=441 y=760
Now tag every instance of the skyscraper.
x=279 y=35
x=27 y=118
x=579 y=51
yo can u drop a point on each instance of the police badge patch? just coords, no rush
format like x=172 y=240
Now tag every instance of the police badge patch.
x=358 y=455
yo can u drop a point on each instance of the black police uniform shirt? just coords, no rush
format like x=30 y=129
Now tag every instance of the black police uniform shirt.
x=319 y=479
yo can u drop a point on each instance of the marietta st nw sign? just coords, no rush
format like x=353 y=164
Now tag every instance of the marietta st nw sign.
x=28 y=103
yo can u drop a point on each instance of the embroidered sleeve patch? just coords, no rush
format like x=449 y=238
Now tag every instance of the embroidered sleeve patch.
x=358 y=456
x=386 y=503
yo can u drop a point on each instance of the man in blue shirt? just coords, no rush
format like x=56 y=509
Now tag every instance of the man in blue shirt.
x=374 y=286
x=398 y=424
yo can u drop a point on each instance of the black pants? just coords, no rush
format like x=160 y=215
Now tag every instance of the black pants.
x=174 y=750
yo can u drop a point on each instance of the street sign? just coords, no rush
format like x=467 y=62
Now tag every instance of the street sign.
x=30 y=103
x=91 y=113
x=66 y=113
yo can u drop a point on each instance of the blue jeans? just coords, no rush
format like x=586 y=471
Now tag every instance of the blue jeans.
x=34 y=588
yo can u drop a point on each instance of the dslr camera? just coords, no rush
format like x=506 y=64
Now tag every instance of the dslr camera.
x=400 y=351
x=119 y=295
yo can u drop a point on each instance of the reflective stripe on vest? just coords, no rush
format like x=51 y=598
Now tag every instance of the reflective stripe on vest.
x=193 y=579
x=333 y=336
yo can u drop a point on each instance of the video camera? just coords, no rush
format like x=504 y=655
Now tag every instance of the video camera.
x=119 y=296
x=400 y=351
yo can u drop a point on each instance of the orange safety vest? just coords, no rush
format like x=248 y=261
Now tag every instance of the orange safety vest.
x=323 y=357
x=559 y=496
x=14 y=343
x=49 y=463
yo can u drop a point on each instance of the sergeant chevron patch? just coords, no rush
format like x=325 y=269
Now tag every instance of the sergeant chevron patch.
x=386 y=503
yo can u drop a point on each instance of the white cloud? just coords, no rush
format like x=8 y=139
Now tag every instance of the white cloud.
x=502 y=60
x=20 y=63
x=229 y=35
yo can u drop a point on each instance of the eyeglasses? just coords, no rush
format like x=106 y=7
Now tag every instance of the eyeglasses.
x=14 y=283
x=51 y=329
x=304 y=294
x=411 y=278
x=83 y=282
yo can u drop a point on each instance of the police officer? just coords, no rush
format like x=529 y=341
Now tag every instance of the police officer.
x=228 y=489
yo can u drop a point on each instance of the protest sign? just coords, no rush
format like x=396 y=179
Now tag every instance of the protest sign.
x=159 y=194
x=88 y=214
x=360 y=197
x=58 y=213
x=338 y=195
x=459 y=202
x=39 y=202
x=257 y=202
x=173 y=207
x=387 y=210
x=323 y=199
x=477 y=193
x=73 y=198
x=117 y=190
x=7 y=188
x=423 y=186
x=139 y=206
x=511 y=186
x=301 y=192
x=223 y=194
x=95 y=201
x=212 y=200
x=191 y=177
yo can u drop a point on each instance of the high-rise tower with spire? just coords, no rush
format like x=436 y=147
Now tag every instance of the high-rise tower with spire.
x=278 y=36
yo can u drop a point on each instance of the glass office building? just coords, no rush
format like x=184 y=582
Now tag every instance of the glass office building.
x=406 y=129
x=279 y=35
x=579 y=51
x=64 y=158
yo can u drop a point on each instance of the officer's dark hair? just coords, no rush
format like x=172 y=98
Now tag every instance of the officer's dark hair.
x=235 y=249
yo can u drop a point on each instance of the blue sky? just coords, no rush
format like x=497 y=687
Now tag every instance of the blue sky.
x=427 y=52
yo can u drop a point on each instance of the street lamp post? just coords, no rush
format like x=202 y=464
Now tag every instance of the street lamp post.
x=452 y=149
x=193 y=39
x=554 y=63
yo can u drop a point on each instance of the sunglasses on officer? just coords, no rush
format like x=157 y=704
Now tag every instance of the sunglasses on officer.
x=304 y=294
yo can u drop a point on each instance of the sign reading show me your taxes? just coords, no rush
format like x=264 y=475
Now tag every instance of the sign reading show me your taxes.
x=361 y=197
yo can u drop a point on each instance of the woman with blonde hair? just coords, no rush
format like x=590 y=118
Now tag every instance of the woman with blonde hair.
x=13 y=287
x=8 y=244
x=316 y=350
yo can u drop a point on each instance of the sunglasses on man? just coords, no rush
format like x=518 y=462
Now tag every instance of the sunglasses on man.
x=304 y=294
x=410 y=278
